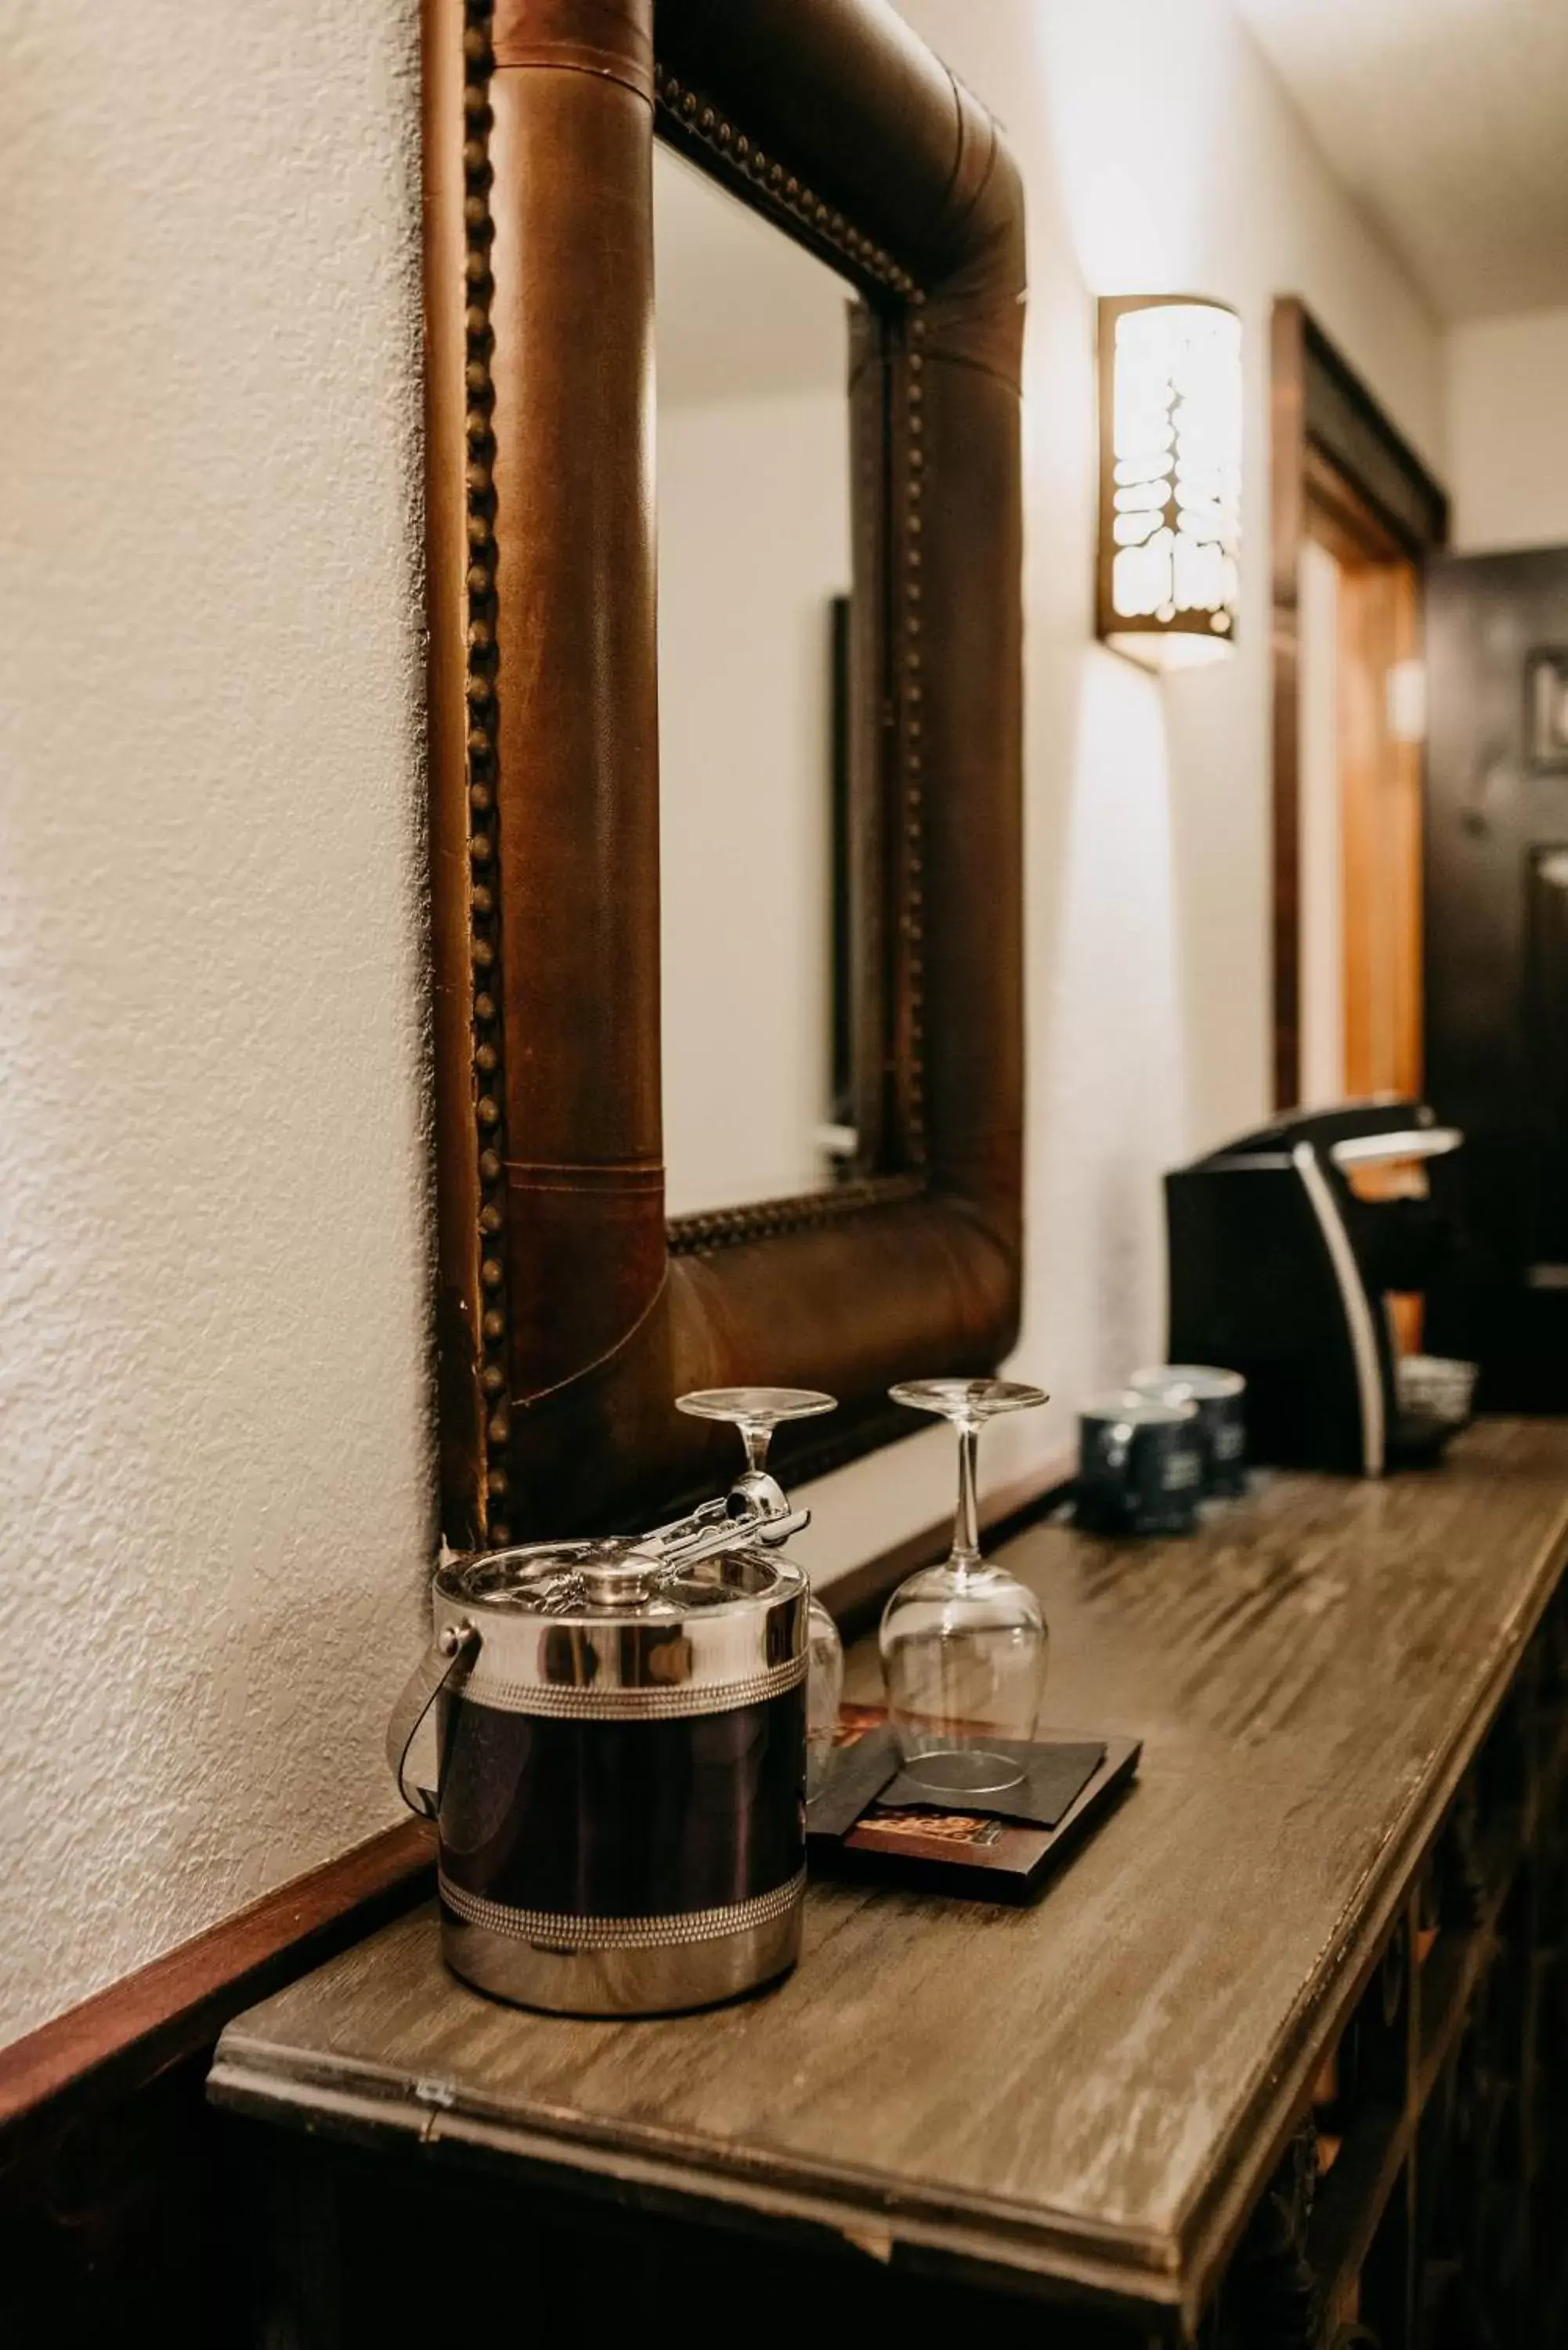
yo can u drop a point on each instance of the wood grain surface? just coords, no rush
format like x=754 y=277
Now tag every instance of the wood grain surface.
x=1087 y=2094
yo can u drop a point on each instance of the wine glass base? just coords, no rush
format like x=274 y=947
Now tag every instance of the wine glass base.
x=950 y=1771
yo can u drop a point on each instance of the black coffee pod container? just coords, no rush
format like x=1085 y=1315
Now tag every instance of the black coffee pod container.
x=1220 y=1398
x=1140 y=1466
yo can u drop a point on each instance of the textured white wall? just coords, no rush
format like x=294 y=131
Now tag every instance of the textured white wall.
x=1508 y=431
x=1159 y=154
x=215 y=1482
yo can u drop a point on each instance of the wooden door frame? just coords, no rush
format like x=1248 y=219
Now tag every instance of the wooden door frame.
x=1327 y=435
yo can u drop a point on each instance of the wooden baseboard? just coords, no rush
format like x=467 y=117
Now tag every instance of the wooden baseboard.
x=114 y=2044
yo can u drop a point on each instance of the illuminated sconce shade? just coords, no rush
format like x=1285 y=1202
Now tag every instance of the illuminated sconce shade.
x=1170 y=478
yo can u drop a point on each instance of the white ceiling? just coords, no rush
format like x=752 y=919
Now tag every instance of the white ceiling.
x=1449 y=121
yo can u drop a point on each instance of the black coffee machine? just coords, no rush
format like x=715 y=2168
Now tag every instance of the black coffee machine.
x=1279 y=1271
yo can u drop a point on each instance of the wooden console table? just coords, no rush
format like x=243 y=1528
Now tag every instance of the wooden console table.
x=1226 y=2079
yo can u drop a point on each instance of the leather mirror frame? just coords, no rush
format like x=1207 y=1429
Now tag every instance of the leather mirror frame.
x=570 y=1313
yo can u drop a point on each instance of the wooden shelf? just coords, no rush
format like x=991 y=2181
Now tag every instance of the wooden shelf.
x=1085 y=2096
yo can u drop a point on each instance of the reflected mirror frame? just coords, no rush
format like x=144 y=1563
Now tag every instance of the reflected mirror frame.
x=569 y=1314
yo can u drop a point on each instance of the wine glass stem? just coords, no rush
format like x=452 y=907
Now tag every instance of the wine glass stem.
x=966 y=1523
x=756 y=1436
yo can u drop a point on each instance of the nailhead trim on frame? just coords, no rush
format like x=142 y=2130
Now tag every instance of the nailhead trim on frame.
x=481 y=687
x=563 y=1931
x=909 y=452
x=717 y=1228
x=740 y=158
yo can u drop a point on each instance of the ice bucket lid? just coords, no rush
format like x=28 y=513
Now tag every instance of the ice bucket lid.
x=606 y=1627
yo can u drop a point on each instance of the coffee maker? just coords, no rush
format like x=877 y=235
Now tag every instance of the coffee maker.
x=1281 y=1271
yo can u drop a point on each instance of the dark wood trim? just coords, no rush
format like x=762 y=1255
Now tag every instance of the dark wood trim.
x=572 y=1315
x=112 y=2045
x=1339 y=516
x=127 y=2210
x=1344 y=421
x=1324 y=426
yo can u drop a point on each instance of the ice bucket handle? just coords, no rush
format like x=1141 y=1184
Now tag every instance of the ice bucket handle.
x=452 y=1650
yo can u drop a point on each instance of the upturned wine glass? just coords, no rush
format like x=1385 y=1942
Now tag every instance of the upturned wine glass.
x=756 y=1412
x=964 y=1645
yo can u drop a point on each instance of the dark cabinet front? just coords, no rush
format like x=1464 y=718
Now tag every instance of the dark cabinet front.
x=1497 y=957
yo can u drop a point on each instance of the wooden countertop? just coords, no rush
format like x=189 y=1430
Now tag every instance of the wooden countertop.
x=1088 y=2092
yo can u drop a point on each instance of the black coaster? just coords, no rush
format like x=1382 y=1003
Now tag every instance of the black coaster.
x=860 y=1822
x=1054 y=1778
x=859 y=1775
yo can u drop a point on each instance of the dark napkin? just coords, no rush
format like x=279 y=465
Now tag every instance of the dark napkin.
x=868 y=1773
x=859 y=1775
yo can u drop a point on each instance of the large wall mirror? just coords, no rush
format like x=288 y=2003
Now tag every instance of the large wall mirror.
x=724 y=323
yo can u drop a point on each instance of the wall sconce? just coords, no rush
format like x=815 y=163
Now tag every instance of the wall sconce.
x=1170 y=478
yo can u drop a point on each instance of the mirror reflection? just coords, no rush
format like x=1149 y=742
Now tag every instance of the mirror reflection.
x=753 y=579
